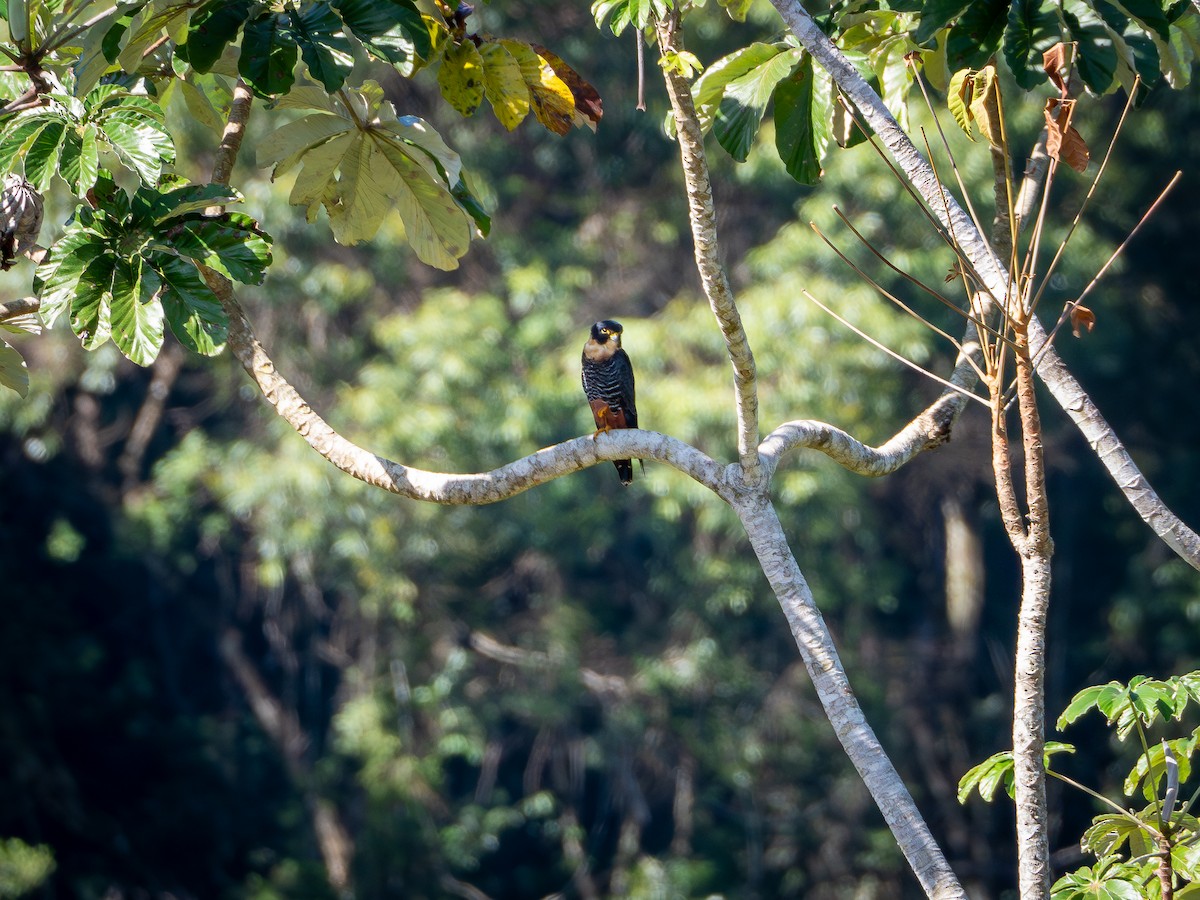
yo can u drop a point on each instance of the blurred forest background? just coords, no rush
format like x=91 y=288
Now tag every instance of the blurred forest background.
x=227 y=669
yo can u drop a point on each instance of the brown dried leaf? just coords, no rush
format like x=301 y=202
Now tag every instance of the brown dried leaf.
x=1053 y=61
x=956 y=271
x=589 y=109
x=1063 y=142
x=1082 y=318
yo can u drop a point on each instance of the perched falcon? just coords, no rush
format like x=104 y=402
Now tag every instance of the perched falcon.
x=608 y=384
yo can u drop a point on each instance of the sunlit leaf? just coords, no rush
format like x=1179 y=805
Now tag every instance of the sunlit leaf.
x=589 y=109
x=461 y=77
x=79 y=164
x=740 y=111
x=551 y=99
x=14 y=374
x=503 y=85
x=137 y=316
x=42 y=153
x=710 y=87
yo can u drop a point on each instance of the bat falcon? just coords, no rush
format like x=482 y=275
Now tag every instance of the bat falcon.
x=608 y=385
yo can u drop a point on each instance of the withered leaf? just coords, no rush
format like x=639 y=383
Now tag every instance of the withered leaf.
x=589 y=108
x=1063 y=142
x=1081 y=318
x=1053 y=61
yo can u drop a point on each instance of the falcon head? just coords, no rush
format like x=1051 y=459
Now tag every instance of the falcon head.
x=603 y=330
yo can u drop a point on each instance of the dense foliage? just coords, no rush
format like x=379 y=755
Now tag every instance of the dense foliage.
x=582 y=689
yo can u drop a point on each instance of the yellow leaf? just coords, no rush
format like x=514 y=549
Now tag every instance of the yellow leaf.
x=503 y=85
x=551 y=99
x=461 y=77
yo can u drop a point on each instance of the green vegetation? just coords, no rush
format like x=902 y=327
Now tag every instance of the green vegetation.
x=229 y=668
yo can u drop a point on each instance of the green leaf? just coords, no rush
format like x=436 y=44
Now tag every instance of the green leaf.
x=1097 y=56
x=710 y=87
x=935 y=15
x=91 y=307
x=391 y=29
x=741 y=110
x=200 y=103
x=41 y=157
x=79 y=164
x=461 y=77
x=1151 y=16
x=269 y=55
x=1086 y=699
x=193 y=312
x=1032 y=29
x=141 y=144
x=803 y=111
x=212 y=28
x=1109 y=833
x=1149 y=770
x=229 y=245
x=189 y=200
x=977 y=33
x=986 y=776
x=503 y=85
x=13 y=372
x=19 y=133
x=1135 y=46
x=137 y=316
x=324 y=48
x=473 y=208
x=894 y=74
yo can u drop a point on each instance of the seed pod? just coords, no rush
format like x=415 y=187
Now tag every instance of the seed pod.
x=20 y=219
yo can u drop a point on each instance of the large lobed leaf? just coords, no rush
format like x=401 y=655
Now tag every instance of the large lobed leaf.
x=360 y=164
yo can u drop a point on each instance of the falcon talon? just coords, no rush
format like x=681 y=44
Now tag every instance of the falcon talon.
x=608 y=385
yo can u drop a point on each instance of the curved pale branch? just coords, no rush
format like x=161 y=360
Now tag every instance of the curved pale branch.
x=418 y=484
x=992 y=274
x=713 y=277
x=14 y=308
x=928 y=430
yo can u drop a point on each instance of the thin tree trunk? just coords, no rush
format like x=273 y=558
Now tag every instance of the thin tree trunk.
x=841 y=706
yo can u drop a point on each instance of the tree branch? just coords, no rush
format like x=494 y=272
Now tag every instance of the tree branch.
x=704 y=235
x=418 y=484
x=993 y=276
x=14 y=308
x=837 y=697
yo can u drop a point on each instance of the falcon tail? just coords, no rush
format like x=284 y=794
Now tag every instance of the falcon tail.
x=624 y=470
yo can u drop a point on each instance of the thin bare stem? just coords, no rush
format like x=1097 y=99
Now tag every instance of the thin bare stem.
x=896 y=300
x=1104 y=268
x=953 y=307
x=1032 y=305
x=896 y=356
